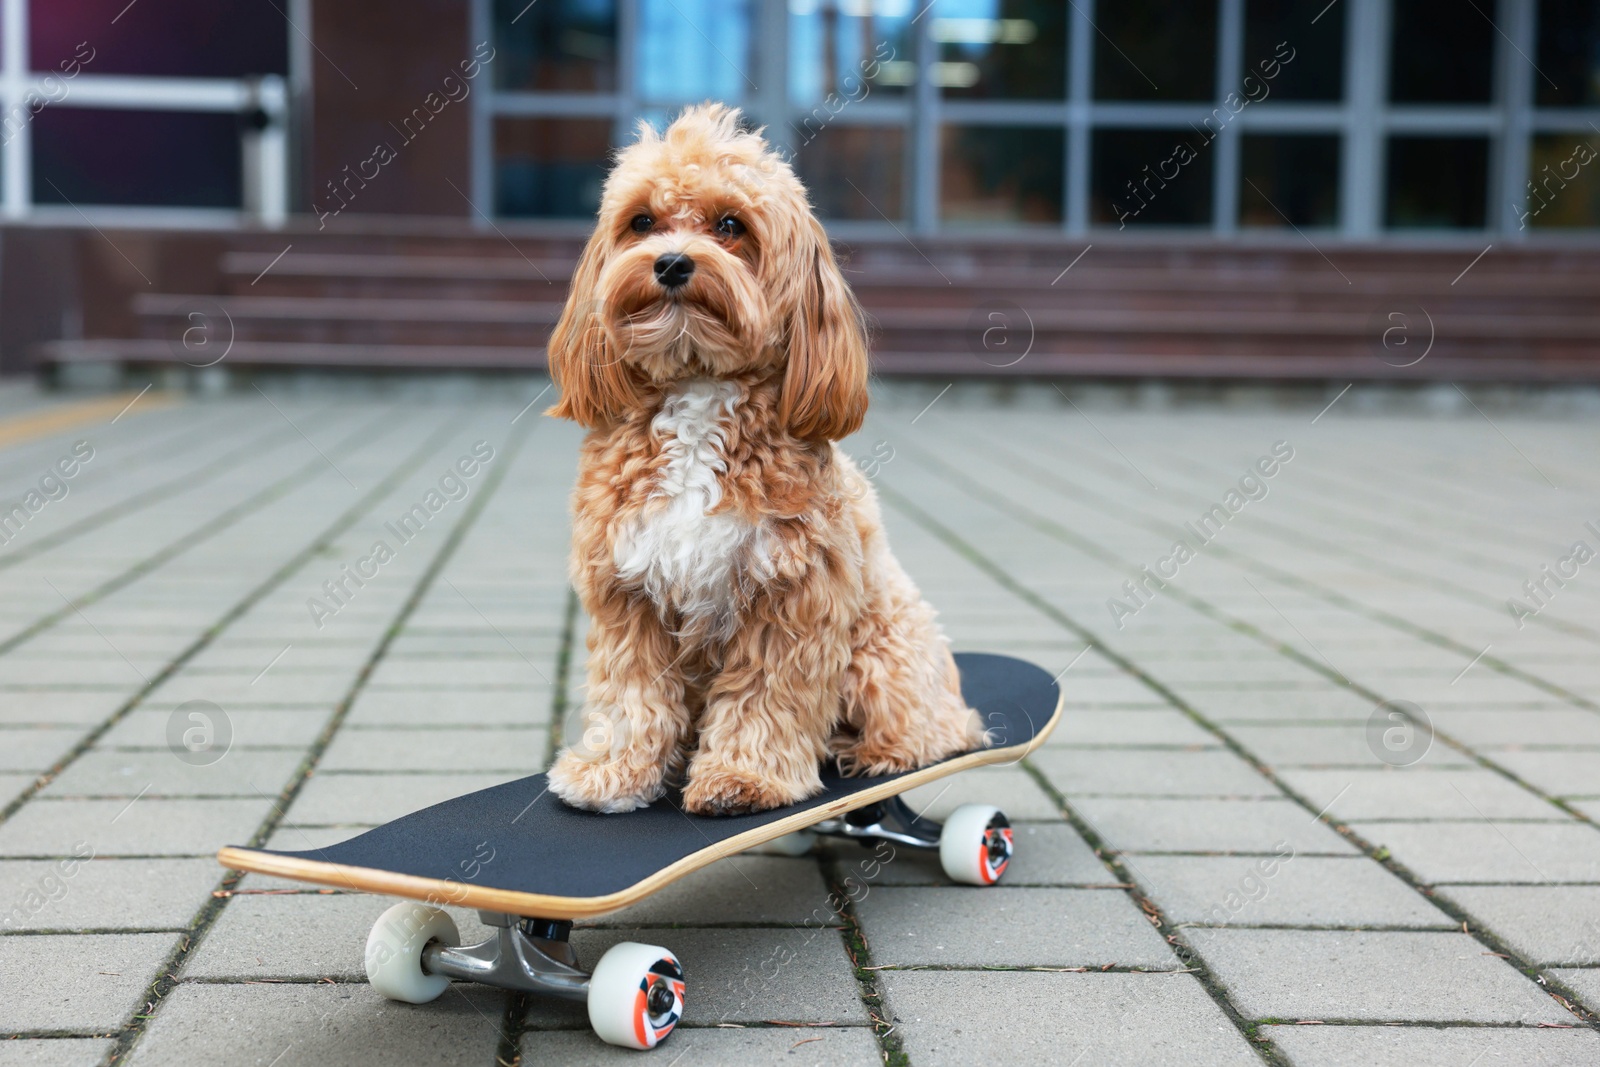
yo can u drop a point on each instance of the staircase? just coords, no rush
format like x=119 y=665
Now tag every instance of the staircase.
x=944 y=306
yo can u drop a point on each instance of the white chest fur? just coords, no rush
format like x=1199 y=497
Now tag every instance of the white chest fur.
x=684 y=558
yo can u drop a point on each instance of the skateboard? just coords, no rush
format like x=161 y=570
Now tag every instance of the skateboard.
x=531 y=865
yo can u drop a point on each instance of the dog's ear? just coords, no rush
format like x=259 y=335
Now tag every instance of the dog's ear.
x=595 y=384
x=825 y=384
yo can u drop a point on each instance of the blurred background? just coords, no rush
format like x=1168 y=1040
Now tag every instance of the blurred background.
x=1262 y=190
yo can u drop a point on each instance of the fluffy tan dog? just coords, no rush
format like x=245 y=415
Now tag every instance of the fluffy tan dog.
x=748 y=618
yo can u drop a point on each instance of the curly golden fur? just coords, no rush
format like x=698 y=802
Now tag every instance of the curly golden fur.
x=748 y=619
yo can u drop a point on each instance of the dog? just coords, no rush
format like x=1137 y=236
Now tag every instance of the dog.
x=747 y=618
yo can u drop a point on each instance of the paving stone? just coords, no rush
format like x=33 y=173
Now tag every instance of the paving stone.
x=59 y=707
x=1245 y=706
x=275 y=688
x=1273 y=891
x=299 y=935
x=1573 y=773
x=1546 y=924
x=81 y=982
x=1585 y=982
x=833 y=1046
x=949 y=1019
x=1145 y=726
x=1151 y=772
x=135 y=772
x=513 y=672
x=389 y=707
x=1431 y=1046
x=524 y=751
x=35 y=749
x=372 y=799
x=314 y=1025
x=1503 y=727
x=1046 y=854
x=1009 y=788
x=1204 y=825
x=131 y=894
x=955 y=926
x=249 y=728
x=1411 y=793
x=1484 y=852
x=54 y=1052
x=11 y=784
x=769 y=890
x=1388 y=976
x=735 y=976
x=1314 y=746
x=152 y=826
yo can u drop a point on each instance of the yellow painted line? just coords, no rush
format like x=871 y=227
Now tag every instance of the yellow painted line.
x=33 y=425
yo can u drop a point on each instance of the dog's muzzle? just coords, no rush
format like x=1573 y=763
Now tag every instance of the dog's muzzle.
x=673 y=269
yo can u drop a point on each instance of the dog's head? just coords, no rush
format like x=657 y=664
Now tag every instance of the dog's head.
x=707 y=262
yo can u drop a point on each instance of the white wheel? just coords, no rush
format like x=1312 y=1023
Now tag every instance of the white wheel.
x=635 y=995
x=975 y=845
x=394 y=952
x=796 y=844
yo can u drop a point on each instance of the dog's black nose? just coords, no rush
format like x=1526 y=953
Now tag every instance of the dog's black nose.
x=673 y=269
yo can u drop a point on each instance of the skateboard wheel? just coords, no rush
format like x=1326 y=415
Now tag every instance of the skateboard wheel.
x=394 y=952
x=975 y=845
x=635 y=995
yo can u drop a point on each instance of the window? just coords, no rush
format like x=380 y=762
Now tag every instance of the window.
x=1440 y=52
x=1001 y=49
x=855 y=172
x=1151 y=177
x=1223 y=115
x=1289 y=180
x=550 y=168
x=1156 y=50
x=1438 y=182
x=1000 y=174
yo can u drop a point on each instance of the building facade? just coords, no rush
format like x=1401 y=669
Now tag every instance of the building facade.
x=1351 y=119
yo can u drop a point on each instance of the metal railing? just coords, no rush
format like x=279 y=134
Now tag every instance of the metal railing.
x=261 y=102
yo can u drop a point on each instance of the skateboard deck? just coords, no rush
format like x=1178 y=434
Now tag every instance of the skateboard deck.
x=517 y=849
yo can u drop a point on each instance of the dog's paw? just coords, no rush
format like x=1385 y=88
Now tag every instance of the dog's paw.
x=731 y=792
x=866 y=760
x=604 y=786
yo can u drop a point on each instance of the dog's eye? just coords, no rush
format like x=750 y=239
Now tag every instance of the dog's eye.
x=728 y=226
x=642 y=224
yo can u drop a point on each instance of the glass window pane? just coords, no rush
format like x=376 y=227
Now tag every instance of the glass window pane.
x=1289 y=179
x=556 y=45
x=175 y=38
x=1002 y=49
x=855 y=172
x=1440 y=52
x=146 y=158
x=849 y=50
x=1438 y=182
x=1565 y=189
x=1001 y=174
x=1150 y=177
x=1305 y=59
x=550 y=168
x=694 y=50
x=1569 y=54
x=1156 y=50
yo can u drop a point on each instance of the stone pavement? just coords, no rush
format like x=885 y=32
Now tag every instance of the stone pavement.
x=1320 y=796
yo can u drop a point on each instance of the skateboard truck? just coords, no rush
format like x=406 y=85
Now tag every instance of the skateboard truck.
x=974 y=843
x=529 y=955
x=886 y=820
x=634 y=995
